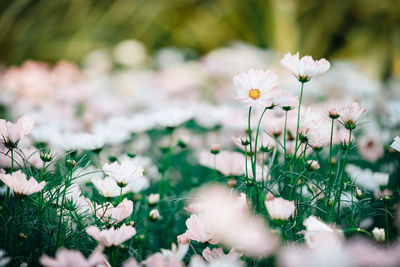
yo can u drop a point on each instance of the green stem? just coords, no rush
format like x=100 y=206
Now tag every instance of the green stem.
x=251 y=147
x=358 y=230
x=62 y=209
x=255 y=144
x=387 y=223
x=120 y=194
x=284 y=138
x=298 y=115
x=340 y=187
x=330 y=160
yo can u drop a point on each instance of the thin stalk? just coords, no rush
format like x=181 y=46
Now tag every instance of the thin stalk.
x=387 y=223
x=284 y=138
x=251 y=147
x=358 y=230
x=255 y=143
x=120 y=194
x=62 y=209
x=298 y=114
x=340 y=189
x=330 y=160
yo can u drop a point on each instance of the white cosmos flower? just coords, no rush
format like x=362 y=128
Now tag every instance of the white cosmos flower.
x=20 y=185
x=123 y=173
x=318 y=231
x=257 y=88
x=381 y=179
x=173 y=117
x=12 y=133
x=306 y=67
x=396 y=143
x=315 y=127
x=108 y=187
x=351 y=114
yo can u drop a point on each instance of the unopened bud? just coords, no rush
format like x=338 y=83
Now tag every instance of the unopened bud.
x=154 y=215
x=153 y=199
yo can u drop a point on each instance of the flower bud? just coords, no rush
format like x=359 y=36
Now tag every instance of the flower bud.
x=379 y=234
x=154 y=215
x=313 y=165
x=215 y=149
x=153 y=199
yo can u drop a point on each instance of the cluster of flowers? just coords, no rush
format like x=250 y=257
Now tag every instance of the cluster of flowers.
x=282 y=176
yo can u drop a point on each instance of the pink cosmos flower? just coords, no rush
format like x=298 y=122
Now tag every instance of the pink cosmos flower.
x=20 y=185
x=257 y=88
x=306 y=67
x=351 y=114
x=111 y=214
x=218 y=253
x=111 y=237
x=12 y=133
x=196 y=230
x=159 y=260
x=286 y=100
x=73 y=258
x=279 y=208
x=232 y=224
x=315 y=128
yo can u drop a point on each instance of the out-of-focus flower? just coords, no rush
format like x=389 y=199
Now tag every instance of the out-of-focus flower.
x=160 y=260
x=73 y=258
x=231 y=224
x=317 y=231
x=196 y=230
x=110 y=214
x=153 y=199
x=111 y=237
x=370 y=148
x=218 y=254
x=261 y=171
x=12 y=133
x=130 y=53
x=226 y=162
x=108 y=187
x=306 y=67
x=379 y=234
x=362 y=177
x=123 y=173
x=313 y=164
x=176 y=252
x=257 y=88
x=381 y=178
x=173 y=117
x=3 y=259
x=131 y=262
x=349 y=115
x=396 y=143
x=315 y=128
x=20 y=185
x=279 y=208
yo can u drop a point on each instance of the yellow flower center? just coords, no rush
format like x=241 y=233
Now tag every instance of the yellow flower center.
x=254 y=93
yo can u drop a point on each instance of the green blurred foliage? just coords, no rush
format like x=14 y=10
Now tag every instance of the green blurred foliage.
x=53 y=29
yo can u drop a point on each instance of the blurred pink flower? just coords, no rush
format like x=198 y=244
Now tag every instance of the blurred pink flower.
x=73 y=258
x=231 y=224
x=279 y=208
x=370 y=148
x=111 y=237
x=159 y=260
x=226 y=162
x=218 y=253
x=256 y=88
x=306 y=67
x=111 y=214
x=20 y=185
x=196 y=230
x=12 y=133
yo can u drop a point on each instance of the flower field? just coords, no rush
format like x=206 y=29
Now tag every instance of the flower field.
x=240 y=157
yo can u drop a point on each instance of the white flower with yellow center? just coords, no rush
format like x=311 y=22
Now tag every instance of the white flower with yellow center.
x=257 y=87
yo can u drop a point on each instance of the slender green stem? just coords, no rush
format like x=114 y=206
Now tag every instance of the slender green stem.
x=41 y=192
x=340 y=187
x=330 y=160
x=62 y=208
x=387 y=223
x=284 y=138
x=358 y=230
x=250 y=140
x=120 y=195
x=255 y=144
x=298 y=115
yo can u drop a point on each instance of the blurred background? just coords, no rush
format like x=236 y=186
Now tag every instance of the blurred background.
x=364 y=30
